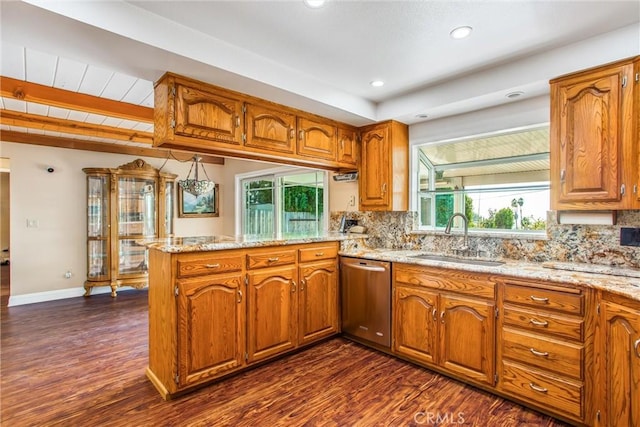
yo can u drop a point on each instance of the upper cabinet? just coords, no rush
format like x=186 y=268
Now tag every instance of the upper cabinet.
x=348 y=148
x=636 y=108
x=384 y=167
x=270 y=129
x=205 y=118
x=594 y=154
x=317 y=138
x=185 y=112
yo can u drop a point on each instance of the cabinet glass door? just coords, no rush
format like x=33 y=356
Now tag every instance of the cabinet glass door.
x=168 y=209
x=132 y=258
x=98 y=227
x=136 y=207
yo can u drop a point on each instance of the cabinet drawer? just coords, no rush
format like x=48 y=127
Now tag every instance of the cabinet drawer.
x=189 y=267
x=317 y=253
x=561 y=396
x=561 y=357
x=568 y=302
x=271 y=259
x=544 y=322
x=451 y=280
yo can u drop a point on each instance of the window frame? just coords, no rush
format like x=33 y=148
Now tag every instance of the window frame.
x=414 y=183
x=276 y=174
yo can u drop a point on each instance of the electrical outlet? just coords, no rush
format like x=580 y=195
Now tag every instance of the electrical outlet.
x=629 y=236
x=68 y=274
x=32 y=223
x=352 y=201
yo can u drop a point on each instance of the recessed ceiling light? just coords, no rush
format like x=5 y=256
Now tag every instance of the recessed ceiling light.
x=314 y=4
x=377 y=83
x=460 y=32
x=514 y=94
x=422 y=116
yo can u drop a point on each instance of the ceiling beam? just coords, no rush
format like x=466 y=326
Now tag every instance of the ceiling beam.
x=35 y=121
x=33 y=92
x=104 y=147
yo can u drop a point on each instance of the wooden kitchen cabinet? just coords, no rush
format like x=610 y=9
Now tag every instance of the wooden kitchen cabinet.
x=192 y=114
x=318 y=297
x=636 y=109
x=546 y=350
x=347 y=148
x=445 y=318
x=270 y=129
x=211 y=327
x=384 y=167
x=593 y=149
x=620 y=347
x=213 y=313
x=317 y=139
x=273 y=302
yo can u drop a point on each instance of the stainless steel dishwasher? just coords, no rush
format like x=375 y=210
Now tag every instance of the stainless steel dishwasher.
x=366 y=300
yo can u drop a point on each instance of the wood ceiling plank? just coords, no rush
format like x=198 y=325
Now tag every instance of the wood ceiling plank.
x=34 y=121
x=105 y=147
x=22 y=90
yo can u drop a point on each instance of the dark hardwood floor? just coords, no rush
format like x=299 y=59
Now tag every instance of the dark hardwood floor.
x=81 y=362
x=5 y=277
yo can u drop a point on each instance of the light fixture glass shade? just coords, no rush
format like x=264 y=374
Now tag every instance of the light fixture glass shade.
x=195 y=186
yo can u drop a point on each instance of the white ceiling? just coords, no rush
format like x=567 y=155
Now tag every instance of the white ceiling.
x=317 y=60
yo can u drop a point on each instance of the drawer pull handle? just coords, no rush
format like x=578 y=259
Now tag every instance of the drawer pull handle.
x=274 y=259
x=538 y=353
x=539 y=322
x=434 y=314
x=212 y=265
x=319 y=253
x=303 y=283
x=538 y=388
x=293 y=286
x=239 y=296
x=539 y=299
x=636 y=345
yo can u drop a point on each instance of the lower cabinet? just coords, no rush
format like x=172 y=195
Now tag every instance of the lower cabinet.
x=620 y=347
x=214 y=313
x=544 y=349
x=211 y=327
x=446 y=319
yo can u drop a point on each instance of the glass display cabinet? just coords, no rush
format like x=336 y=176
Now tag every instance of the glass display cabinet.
x=132 y=202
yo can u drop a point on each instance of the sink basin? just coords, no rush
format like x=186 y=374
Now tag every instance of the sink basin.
x=474 y=261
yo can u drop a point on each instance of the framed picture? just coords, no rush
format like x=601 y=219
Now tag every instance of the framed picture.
x=190 y=206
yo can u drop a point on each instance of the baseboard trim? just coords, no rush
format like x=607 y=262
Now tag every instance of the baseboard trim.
x=54 y=295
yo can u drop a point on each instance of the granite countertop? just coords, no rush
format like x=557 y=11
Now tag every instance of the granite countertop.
x=621 y=281
x=220 y=242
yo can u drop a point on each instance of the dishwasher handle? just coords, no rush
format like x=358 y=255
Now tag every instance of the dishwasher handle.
x=367 y=267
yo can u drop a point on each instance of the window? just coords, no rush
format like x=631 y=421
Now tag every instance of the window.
x=287 y=202
x=499 y=181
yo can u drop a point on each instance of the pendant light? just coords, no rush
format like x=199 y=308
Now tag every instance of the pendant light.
x=195 y=186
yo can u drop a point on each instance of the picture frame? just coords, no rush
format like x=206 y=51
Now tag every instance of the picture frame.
x=202 y=206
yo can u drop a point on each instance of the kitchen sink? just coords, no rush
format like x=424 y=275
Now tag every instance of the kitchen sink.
x=446 y=258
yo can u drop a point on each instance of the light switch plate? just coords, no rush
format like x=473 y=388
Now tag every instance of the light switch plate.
x=629 y=236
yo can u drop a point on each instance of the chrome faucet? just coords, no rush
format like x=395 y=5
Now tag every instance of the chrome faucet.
x=447 y=230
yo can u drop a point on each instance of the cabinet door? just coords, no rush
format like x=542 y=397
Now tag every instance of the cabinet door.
x=622 y=364
x=270 y=129
x=211 y=318
x=374 y=172
x=318 y=300
x=347 y=148
x=588 y=126
x=636 y=137
x=272 y=311
x=203 y=115
x=467 y=337
x=316 y=139
x=415 y=325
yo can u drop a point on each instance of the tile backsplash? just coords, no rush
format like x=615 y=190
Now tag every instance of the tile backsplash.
x=595 y=244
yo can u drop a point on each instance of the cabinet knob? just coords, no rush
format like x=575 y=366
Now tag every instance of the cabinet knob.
x=292 y=133
x=538 y=388
x=293 y=286
x=239 y=296
x=563 y=173
x=303 y=283
x=273 y=259
x=539 y=322
x=212 y=265
x=434 y=314
x=301 y=135
x=319 y=253
x=237 y=121
x=539 y=299
x=636 y=345
x=539 y=353
x=442 y=317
